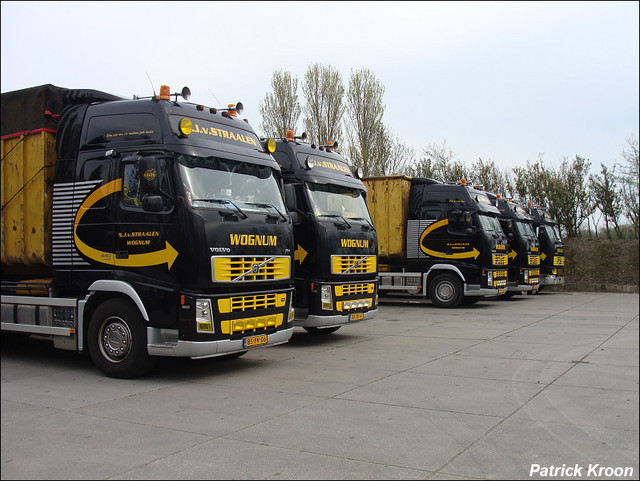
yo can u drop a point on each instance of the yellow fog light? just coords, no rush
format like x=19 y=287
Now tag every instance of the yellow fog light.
x=205 y=326
x=271 y=145
x=185 y=126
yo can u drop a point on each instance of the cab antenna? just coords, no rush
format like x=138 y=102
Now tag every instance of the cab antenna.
x=152 y=87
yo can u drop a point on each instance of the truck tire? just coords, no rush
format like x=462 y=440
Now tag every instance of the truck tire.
x=446 y=290
x=117 y=340
x=319 y=331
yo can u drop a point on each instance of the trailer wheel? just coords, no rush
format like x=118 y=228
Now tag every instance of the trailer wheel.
x=117 y=340
x=320 y=331
x=446 y=290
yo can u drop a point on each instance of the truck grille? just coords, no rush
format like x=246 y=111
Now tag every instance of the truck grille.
x=500 y=259
x=237 y=269
x=251 y=303
x=354 y=289
x=534 y=260
x=353 y=264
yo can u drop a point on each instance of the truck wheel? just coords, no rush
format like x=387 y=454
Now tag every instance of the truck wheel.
x=319 y=331
x=117 y=340
x=446 y=290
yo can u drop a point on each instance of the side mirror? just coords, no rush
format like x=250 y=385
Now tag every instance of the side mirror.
x=152 y=203
x=290 y=197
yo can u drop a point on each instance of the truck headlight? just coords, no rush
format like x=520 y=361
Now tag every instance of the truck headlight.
x=325 y=297
x=490 y=278
x=204 y=318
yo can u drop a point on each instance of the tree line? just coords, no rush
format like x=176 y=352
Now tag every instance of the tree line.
x=605 y=203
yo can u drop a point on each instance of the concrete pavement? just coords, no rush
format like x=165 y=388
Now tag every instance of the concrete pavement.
x=523 y=388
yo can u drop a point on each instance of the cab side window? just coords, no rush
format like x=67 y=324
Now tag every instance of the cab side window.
x=131 y=194
x=139 y=180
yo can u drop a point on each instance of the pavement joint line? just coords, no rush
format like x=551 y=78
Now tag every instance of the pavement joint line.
x=544 y=386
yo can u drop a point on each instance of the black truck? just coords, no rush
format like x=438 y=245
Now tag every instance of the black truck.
x=336 y=243
x=551 y=247
x=140 y=228
x=522 y=245
x=438 y=241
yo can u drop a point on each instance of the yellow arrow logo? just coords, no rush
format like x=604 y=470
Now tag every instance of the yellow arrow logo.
x=299 y=254
x=512 y=254
x=458 y=255
x=543 y=256
x=432 y=227
x=168 y=254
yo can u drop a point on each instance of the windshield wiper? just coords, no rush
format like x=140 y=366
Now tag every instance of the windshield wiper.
x=364 y=219
x=222 y=201
x=266 y=205
x=340 y=216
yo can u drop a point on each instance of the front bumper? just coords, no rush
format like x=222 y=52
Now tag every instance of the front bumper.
x=334 y=320
x=551 y=280
x=165 y=342
x=471 y=290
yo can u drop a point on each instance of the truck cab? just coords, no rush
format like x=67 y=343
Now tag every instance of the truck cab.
x=335 y=240
x=522 y=245
x=454 y=248
x=551 y=247
x=169 y=234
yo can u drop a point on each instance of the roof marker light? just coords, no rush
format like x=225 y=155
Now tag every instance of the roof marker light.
x=164 y=93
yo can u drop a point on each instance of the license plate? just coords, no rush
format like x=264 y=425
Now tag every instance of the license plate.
x=254 y=340
x=357 y=316
x=500 y=291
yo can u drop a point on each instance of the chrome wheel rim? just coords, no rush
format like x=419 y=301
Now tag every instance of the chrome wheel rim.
x=115 y=339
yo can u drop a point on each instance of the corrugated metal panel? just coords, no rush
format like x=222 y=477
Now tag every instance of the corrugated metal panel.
x=415 y=229
x=27 y=175
x=388 y=199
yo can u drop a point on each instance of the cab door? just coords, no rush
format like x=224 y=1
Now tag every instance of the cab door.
x=145 y=236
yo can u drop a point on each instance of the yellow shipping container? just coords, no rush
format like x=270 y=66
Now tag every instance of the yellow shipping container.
x=388 y=202
x=27 y=187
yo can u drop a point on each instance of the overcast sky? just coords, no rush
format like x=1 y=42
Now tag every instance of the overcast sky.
x=502 y=81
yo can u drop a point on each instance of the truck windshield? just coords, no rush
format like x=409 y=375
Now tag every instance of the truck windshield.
x=336 y=201
x=552 y=233
x=214 y=183
x=489 y=224
x=524 y=229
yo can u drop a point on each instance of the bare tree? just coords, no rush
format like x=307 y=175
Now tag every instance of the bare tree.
x=629 y=182
x=401 y=156
x=606 y=199
x=570 y=198
x=324 y=92
x=491 y=177
x=280 y=110
x=531 y=183
x=441 y=163
x=366 y=144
